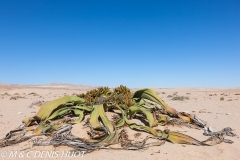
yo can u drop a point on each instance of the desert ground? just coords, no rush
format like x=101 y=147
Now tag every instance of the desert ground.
x=219 y=107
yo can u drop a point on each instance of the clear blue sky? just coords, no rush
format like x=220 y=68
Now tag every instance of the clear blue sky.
x=194 y=43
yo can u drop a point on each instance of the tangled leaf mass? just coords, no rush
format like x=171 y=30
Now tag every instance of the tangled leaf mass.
x=55 y=120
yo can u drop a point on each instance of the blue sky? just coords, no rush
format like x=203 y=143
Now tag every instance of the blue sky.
x=131 y=42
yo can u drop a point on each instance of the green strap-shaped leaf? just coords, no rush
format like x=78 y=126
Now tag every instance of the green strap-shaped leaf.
x=28 y=120
x=145 y=128
x=59 y=112
x=105 y=120
x=111 y=138
x=121 y=121
x=136 y=108
x=162 y=119
x=83 y=107
x=80 y=113
x=180 y=138
x=152 y=96
x=46 y=110
x=94 y=118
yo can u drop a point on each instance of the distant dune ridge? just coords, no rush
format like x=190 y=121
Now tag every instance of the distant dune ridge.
x=53 y=85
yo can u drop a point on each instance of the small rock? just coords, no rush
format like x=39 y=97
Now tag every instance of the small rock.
x=183 y=145
x=202 y=111
x=19 y=113
x=228 y=113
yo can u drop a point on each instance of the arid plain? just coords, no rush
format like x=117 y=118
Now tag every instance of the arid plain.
x=219 y=107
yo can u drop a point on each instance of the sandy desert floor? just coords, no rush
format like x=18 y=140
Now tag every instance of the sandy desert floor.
x=16 y=104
